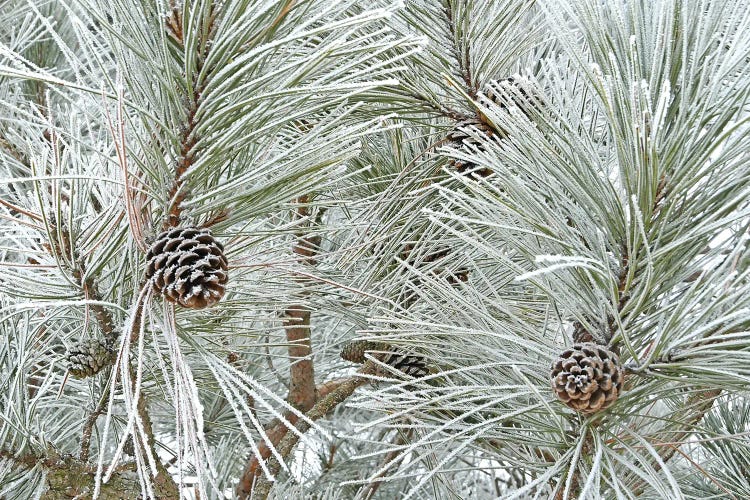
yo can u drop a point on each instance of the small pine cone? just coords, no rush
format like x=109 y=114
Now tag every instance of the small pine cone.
x=87 y=358
x=355 y=350
x=587 y=377
x=188 y=267
x=462 y=139
x=413 y=366
x=520 y=91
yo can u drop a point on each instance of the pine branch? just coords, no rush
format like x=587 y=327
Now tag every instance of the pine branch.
x=68 y=478
x=88 y=428
x=388 y=460
x=163 y=480
x=697 y=406
x=188 y=137
x=321 y=409
x=463 y=58
x=275 y=432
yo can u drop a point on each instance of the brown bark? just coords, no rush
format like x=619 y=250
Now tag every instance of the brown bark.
x=302 y=373
x=302 y=393
x=275 y=432
x=262 y=486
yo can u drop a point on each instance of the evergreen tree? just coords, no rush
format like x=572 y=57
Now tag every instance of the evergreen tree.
x=344 y=249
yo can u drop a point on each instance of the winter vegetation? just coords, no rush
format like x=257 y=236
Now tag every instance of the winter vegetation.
x=383 y=249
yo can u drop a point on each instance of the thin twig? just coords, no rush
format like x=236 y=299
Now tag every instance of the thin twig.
x=275 y=432
x=463 y=59
x=388 y=462
x=697 y=405
x=188 y=139
x=88 y=427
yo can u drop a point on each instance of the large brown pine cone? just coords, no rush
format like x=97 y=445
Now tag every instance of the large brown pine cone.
x=87 y=357
x=188 y=267
x=414 y=366
x=587 y=377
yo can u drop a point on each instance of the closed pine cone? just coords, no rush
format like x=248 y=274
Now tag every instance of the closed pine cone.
x=464 y=140
x=188 y=267
x=413 y=366
x=87 y=358
x=519 y=90
x=587 y=377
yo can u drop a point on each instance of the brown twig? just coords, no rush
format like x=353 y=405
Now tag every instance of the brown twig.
x=163 y=480
x=401 y=438
x=463 y=59
x=275 y=432
x=324 y=406
x=326 y=388
x=696 y=407
x=88 y=428
x=302 y=372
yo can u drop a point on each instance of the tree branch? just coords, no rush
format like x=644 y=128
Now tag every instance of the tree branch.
x=188 y=136
x=68 y=478
x=331 y=394
x=88 y=428
x=275 y=432
x=297 y=323
x=463 y=59
x=399 y=440
x=321 y=409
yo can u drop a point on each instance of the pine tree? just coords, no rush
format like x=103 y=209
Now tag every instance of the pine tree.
x=419 y=249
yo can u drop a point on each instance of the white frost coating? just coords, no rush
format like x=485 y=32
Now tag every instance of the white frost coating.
x=562 y=262
x=660 y=113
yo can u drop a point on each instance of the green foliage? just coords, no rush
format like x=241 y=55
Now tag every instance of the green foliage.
x=373 y=174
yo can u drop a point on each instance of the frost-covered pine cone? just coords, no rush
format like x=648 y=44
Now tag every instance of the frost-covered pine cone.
x=462 y=139
x=587 y=377
x=519 y=90
x=87 y=357
x=413 y=366
x=188 y=267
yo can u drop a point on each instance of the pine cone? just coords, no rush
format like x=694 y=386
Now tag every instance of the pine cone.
x=354 y=351
x=587 y=377
x=86 y=358
x=463 y=140
x=188 y=267
x=519 y=91
x=414 y=366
